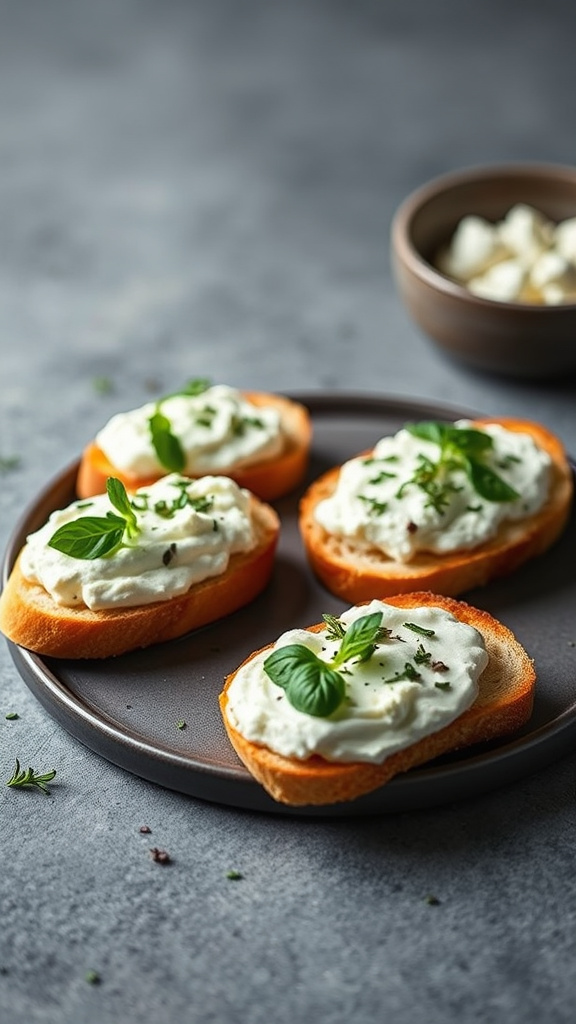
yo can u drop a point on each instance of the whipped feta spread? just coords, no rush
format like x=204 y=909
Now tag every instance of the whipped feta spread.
x=378 y=715
x=174 y=548
x=217 y=429
x=376 y=504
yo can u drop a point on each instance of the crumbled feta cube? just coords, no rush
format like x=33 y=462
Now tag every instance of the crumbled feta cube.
x=565 y=239
x=552 y=294
x=552 y=268
x=502 y=282
x=525 y=232
x=474 y=247
x=524 y=257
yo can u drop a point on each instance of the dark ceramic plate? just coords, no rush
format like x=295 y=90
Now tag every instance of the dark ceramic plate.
x=127 y=708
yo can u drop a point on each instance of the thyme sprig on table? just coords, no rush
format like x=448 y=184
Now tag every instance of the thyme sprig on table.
x=28 y=778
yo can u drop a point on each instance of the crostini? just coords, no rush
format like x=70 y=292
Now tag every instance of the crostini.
x=120 y=572
x=260 y=440
x=330 y=713
x=440 y=507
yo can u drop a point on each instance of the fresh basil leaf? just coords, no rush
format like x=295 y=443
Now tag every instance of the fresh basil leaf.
x=316 y=690
x=429 y=430
x=285 y=660
x=360 y=638
x=469 y=441
x=196 y=386
x=192 y=388
x=166 y=445
x=119 y=498
x=89 y=537
x=488 y=484
x=310 y=684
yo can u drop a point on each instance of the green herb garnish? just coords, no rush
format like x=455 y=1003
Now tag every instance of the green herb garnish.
x=315 y=686
x=194 y=387
x=240 y=423
x=102 y=385
x=418 y=629
x=409 y=672
x=167 y=446
x=8 y=462
x=201 y=504
x=381 y=476
x=119 y=498
x=461 y=448
x=375 y=507
x=422 y=656
x=334 y=627
x=93 y=537
x=30 y=779
x=310 y=684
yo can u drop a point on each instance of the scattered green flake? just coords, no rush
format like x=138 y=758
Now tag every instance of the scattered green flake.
x=234 y=875
x=181 y=724
x=9 y=462
x=92 y=977
x=103 y=385
x=12 y=716
x=432 y=901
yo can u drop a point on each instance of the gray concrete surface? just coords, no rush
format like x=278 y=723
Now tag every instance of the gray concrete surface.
x=206 y=188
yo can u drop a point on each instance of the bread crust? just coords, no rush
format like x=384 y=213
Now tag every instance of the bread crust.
x=269 y=479
x=29 y=617
x=503 y=705
x=358 y=576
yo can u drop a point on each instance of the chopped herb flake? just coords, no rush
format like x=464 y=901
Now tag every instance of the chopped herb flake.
x=419 y=629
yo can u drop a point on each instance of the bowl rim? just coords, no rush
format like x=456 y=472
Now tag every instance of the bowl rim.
x=404 y=248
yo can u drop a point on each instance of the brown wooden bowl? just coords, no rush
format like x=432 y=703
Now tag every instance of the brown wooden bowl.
x=512 y=338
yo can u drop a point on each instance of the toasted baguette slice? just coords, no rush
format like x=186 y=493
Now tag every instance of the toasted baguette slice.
x=270 y=478
x=504 y=703
x=29 y=617
x=357 y=576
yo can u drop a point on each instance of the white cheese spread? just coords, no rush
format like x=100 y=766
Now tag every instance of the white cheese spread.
x=217 y=429
x=377 y=503
x=378 y=715
x=174 y=548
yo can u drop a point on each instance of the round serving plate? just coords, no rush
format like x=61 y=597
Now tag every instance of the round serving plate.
x=130 y=709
